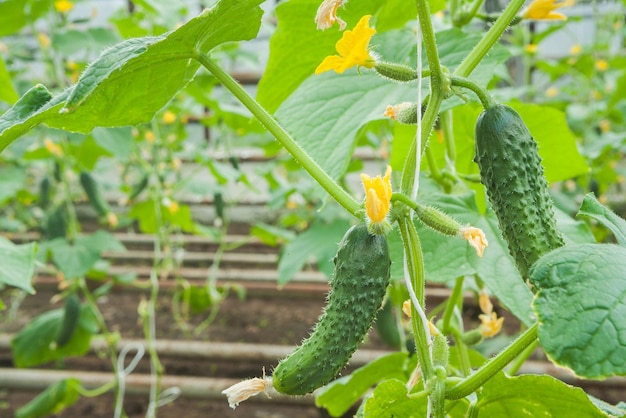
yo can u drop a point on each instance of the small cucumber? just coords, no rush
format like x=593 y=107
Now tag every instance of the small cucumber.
x=71 y=315
x=45 y=192
x=55 y=225
x=362 y=269
x=139 y=187
x=92 y=190
x=511 y=170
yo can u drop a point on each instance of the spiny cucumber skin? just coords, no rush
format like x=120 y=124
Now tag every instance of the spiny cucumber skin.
x=511 y=170
x=362 y=270
x=94 y=195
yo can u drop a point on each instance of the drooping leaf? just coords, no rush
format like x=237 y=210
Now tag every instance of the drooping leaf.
x=581 y=306
x=54 y=399
x=319 y=241
x=132 y=80
x=36 y=343
x=338 y=396
x=592 y=208
x=533 y=396
x=17 y=264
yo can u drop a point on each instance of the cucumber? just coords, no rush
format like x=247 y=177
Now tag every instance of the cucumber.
x=362 y=269
x=511 y=170
x=92 y=190
x=45 y=192
x=71 y=315
x=139 y=187
x=55 y=225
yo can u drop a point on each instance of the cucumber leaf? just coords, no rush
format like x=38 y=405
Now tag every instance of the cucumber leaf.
x=53 y=400
x=581 y=308
x=338 y=396
x=533 y=396
x=593 y=209
x=17 y=264
x=132 y=80
x=390 y=399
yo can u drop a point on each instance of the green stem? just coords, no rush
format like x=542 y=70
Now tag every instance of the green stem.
x=457 y=294
x=415 y=267
x=483 y=95
x=445 y=121
x=436 y=95
x=464 y=360
x=493 y=366
x=519 y=361
x=299 y=154
x=489 y=39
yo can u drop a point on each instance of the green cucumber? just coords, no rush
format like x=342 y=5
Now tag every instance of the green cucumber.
x=139 y=187
x=362 y=269
x=45 y=192
x=56 y=222
x=92 y=190
x=71 y=314
x=511 y=170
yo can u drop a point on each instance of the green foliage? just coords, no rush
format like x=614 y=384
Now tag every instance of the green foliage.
x=338 y=396
x=389 y=399
x=18 y=264
x=581 y=308
x=53 y=400
x=529 y=395
x=36 y=344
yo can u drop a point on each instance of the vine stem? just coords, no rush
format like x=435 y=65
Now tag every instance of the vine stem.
x=297 y=152
x=489 y=39
x=493 y=366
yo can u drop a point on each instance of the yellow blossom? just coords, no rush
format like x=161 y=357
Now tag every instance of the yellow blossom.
x=485 y=304
x=149 y=135
x=241 y=391
x=406 y=307
x=173 y=207
x=52 y=147
x=604 y=125
x=545 y=9
x=43 y=39
x=434 y=331
x=575 y=49
x=531 y=48
x=490 y=324
x=552 y=92
x=601 y=65
x=327 y=15
x=63 y=6
x=475 y=237
x=169 y=117
x=112 y=219
x=392 y=112
x=353 y=49
x=377 y=196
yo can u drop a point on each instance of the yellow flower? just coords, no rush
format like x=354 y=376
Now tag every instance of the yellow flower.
x=112 y=219
x=352 y=49
x=406 y=307
x=545 y=9
x=63 y=6
x=490 y=324
x=475 y=237
x=575 y=49
x=149 y=135
x=52 y=147
x=169 y=117
x=327 y=15
x=485 y=304
x=173 y=207
x=377 y=197
x=531 y=48
x=601 y=65
x=43 y=39
x=552 y=92
x=605 y=125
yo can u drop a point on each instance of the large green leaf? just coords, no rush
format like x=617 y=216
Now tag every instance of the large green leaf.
x=36 y=343
x=532 y=396
x=53 y=400
x=581 y=306
x=17 y=264
x=314 y=242
x=297 y=47
x=132 y=80
x=15 y=14
x=592 y=208
x=390 y=400
x=338 y=396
